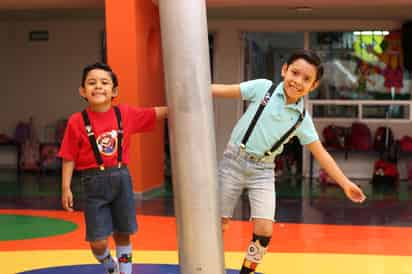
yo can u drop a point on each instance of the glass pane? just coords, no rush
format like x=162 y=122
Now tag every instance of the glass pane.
x=341 y=111
x=361 y=65
x=385 y=112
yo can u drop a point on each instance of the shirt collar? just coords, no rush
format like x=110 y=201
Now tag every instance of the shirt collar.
x=280 y=92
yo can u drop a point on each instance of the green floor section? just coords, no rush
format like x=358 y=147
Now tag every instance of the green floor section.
x=20 y=227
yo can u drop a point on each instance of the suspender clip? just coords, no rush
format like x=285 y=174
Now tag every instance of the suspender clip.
x=89 y=130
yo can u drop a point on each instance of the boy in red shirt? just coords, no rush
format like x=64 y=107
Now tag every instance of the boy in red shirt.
x=96 y=143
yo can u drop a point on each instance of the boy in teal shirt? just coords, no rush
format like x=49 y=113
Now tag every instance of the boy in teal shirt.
x=250 y=165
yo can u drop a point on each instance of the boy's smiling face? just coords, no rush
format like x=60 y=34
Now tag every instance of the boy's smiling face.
x=98 y=88
x=299 y=79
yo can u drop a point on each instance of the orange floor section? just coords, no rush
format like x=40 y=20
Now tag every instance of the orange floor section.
x=158 y=233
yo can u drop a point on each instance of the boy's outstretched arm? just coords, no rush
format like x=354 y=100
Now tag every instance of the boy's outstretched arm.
x=352 y=191
x=161 y=112
x=67 y=195
x=227 y=91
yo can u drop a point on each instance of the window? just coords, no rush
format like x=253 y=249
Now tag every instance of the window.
x=361 y=67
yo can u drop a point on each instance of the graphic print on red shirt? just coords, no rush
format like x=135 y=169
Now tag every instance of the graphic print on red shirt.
x=107 y=143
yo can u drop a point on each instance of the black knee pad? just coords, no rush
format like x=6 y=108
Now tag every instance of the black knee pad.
x=263 y=240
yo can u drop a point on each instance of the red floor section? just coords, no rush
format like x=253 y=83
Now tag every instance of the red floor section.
x=158 y=233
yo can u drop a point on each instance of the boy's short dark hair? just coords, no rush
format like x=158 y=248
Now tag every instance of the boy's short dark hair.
x=309 y=56
x=101 y=66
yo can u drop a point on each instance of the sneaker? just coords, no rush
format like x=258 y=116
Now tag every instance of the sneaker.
x=116 y=268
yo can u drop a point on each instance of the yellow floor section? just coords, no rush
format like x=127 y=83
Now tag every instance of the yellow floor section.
x=274 y=263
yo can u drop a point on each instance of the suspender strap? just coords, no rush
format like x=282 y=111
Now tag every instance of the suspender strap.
x=287 y=134
x=257 y=115
x=119 y=135
x=92 y=140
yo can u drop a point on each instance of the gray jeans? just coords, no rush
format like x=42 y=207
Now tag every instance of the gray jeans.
x=239 y=170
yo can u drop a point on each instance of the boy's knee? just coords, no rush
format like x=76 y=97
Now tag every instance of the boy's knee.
x=263 y=227
x=99 y=247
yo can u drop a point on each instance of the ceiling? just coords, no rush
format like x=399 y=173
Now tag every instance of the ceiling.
x=398 y=10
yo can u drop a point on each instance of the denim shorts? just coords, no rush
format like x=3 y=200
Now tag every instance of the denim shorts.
x=109 y=203
x=239 y=170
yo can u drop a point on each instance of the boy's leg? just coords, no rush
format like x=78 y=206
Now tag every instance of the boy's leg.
x=261 y=191
x=262 y=234
x=102 y=254
x=98 y=219
x=123 y=252
x=231 y=184
x=124 y=219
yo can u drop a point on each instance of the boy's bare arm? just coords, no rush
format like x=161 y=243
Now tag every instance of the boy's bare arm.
x=67 y=173
x=161 y=112
x=328 y=163
x=226 y=91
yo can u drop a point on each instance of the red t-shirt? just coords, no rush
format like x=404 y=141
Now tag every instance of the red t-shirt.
x=76 y=145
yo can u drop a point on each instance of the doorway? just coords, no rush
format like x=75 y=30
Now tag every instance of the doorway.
x=264 y=55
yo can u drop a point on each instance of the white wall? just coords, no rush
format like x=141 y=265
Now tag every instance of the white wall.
x=227 y=70
x=41 y=79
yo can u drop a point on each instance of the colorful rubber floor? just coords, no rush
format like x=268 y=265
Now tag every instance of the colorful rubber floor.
x=51 y=242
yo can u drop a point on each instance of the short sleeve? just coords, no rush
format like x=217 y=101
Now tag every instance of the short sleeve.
x=307 y=132
x=254 y=89
x=69 y=148
x=140 y=119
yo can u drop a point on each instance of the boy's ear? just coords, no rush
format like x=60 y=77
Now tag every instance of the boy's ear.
x=315 y=84
x=115 y=92
x=284 y=70
x=82 y=92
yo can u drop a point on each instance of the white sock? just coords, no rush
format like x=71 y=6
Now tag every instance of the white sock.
x=124 y=257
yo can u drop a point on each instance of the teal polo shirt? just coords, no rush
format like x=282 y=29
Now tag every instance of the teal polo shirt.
x=276 y=119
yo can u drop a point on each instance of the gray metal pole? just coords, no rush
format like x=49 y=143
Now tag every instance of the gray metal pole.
x=192 y=137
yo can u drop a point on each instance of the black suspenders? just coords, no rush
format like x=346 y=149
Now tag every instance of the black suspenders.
x=287 y=134
x=119 y=135
x=92 y=138
x=257 y=115
x=252 y=125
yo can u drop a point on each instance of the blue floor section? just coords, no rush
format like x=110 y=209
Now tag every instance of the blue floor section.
x=97 y=269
